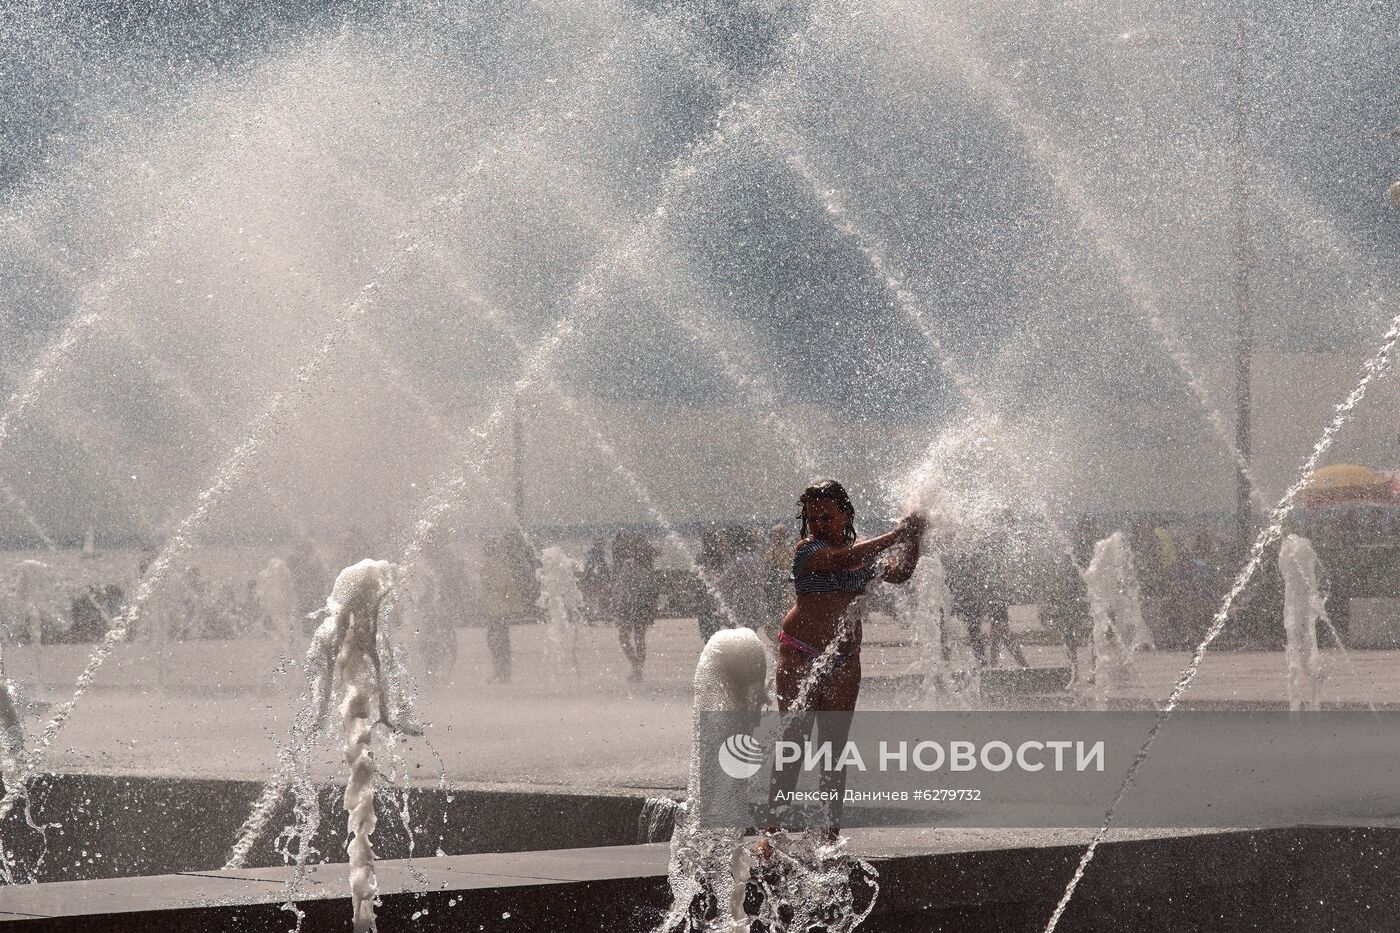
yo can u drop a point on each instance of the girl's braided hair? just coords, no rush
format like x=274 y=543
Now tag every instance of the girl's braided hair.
x=829 y=490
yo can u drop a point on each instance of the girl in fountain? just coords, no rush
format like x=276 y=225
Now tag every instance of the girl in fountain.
x=819 y=646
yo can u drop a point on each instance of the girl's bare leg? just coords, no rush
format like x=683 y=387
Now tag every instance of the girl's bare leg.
x=793 y=666
x=840 y=692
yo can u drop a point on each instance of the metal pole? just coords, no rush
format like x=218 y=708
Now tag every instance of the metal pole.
x=1245 y=259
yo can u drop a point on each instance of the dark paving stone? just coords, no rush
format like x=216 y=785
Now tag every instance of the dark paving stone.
x=1339 y=880
x=120 y=826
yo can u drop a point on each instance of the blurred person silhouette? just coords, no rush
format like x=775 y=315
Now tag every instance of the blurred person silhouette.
x=1203 y=586
x=310 y=581
x=435 y=609
x=1067 y=613
x=510 y=591
x=194 y=604
x=1000 y=551
x=964 y=576
x=635 y=593
x=708 y=565
x=740 y=580
x=595 y=580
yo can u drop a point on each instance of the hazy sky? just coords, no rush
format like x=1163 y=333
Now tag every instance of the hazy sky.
x=219 y=180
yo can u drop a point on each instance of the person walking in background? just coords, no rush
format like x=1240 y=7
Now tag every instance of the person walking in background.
x=510 y=591
x=416 y=605
x=741 y=581
x=709 y=564
x=1203 y=586
x=595 y=581
x=998 y=589
x=437 y=623
x=964 y=578
x=194 y=604
x=277 y=604
x=310 y=581
x=981 y=596
x=635 y=594
x=1067 y=613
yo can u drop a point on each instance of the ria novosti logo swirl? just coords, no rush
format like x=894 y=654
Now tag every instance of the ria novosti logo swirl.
x=740 y=756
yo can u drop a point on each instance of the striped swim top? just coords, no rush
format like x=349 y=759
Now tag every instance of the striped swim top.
x=832 y=581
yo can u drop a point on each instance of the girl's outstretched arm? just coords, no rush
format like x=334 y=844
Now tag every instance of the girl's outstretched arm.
x=851 y=556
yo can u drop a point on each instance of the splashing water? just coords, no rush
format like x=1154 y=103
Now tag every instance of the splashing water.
x=1115 y=607
x=43 y=370
x=985 y=421
x=810 y=886
x=252 y=829
x=807 y=879
x=268 y=425
x=656 y=813
x=350 y=642
x=1377 y=366
x=943 y=662
x=272 y=420
x=743 y=372
x=539 y=369
x=562 y=603
x=354 y=605
x=623 y=248
x=1303 y=606
x=19 y=505
x=952 y=481
x=961 y=57
x=972 y=488
x=710 y=867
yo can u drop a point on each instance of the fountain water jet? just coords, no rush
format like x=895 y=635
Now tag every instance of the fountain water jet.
x=563 y=608
x=710 y=868
x=265 y=427
x=943 y=663
x=1115 y=608
x=354 y=606
x=1062 y=171
x=1375 y=367
x=43 y=370
x=318 y=668
x=269 y=422
x=1303 y=605
x=986 y=421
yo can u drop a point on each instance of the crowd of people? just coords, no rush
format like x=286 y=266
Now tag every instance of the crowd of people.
x=742 y=577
